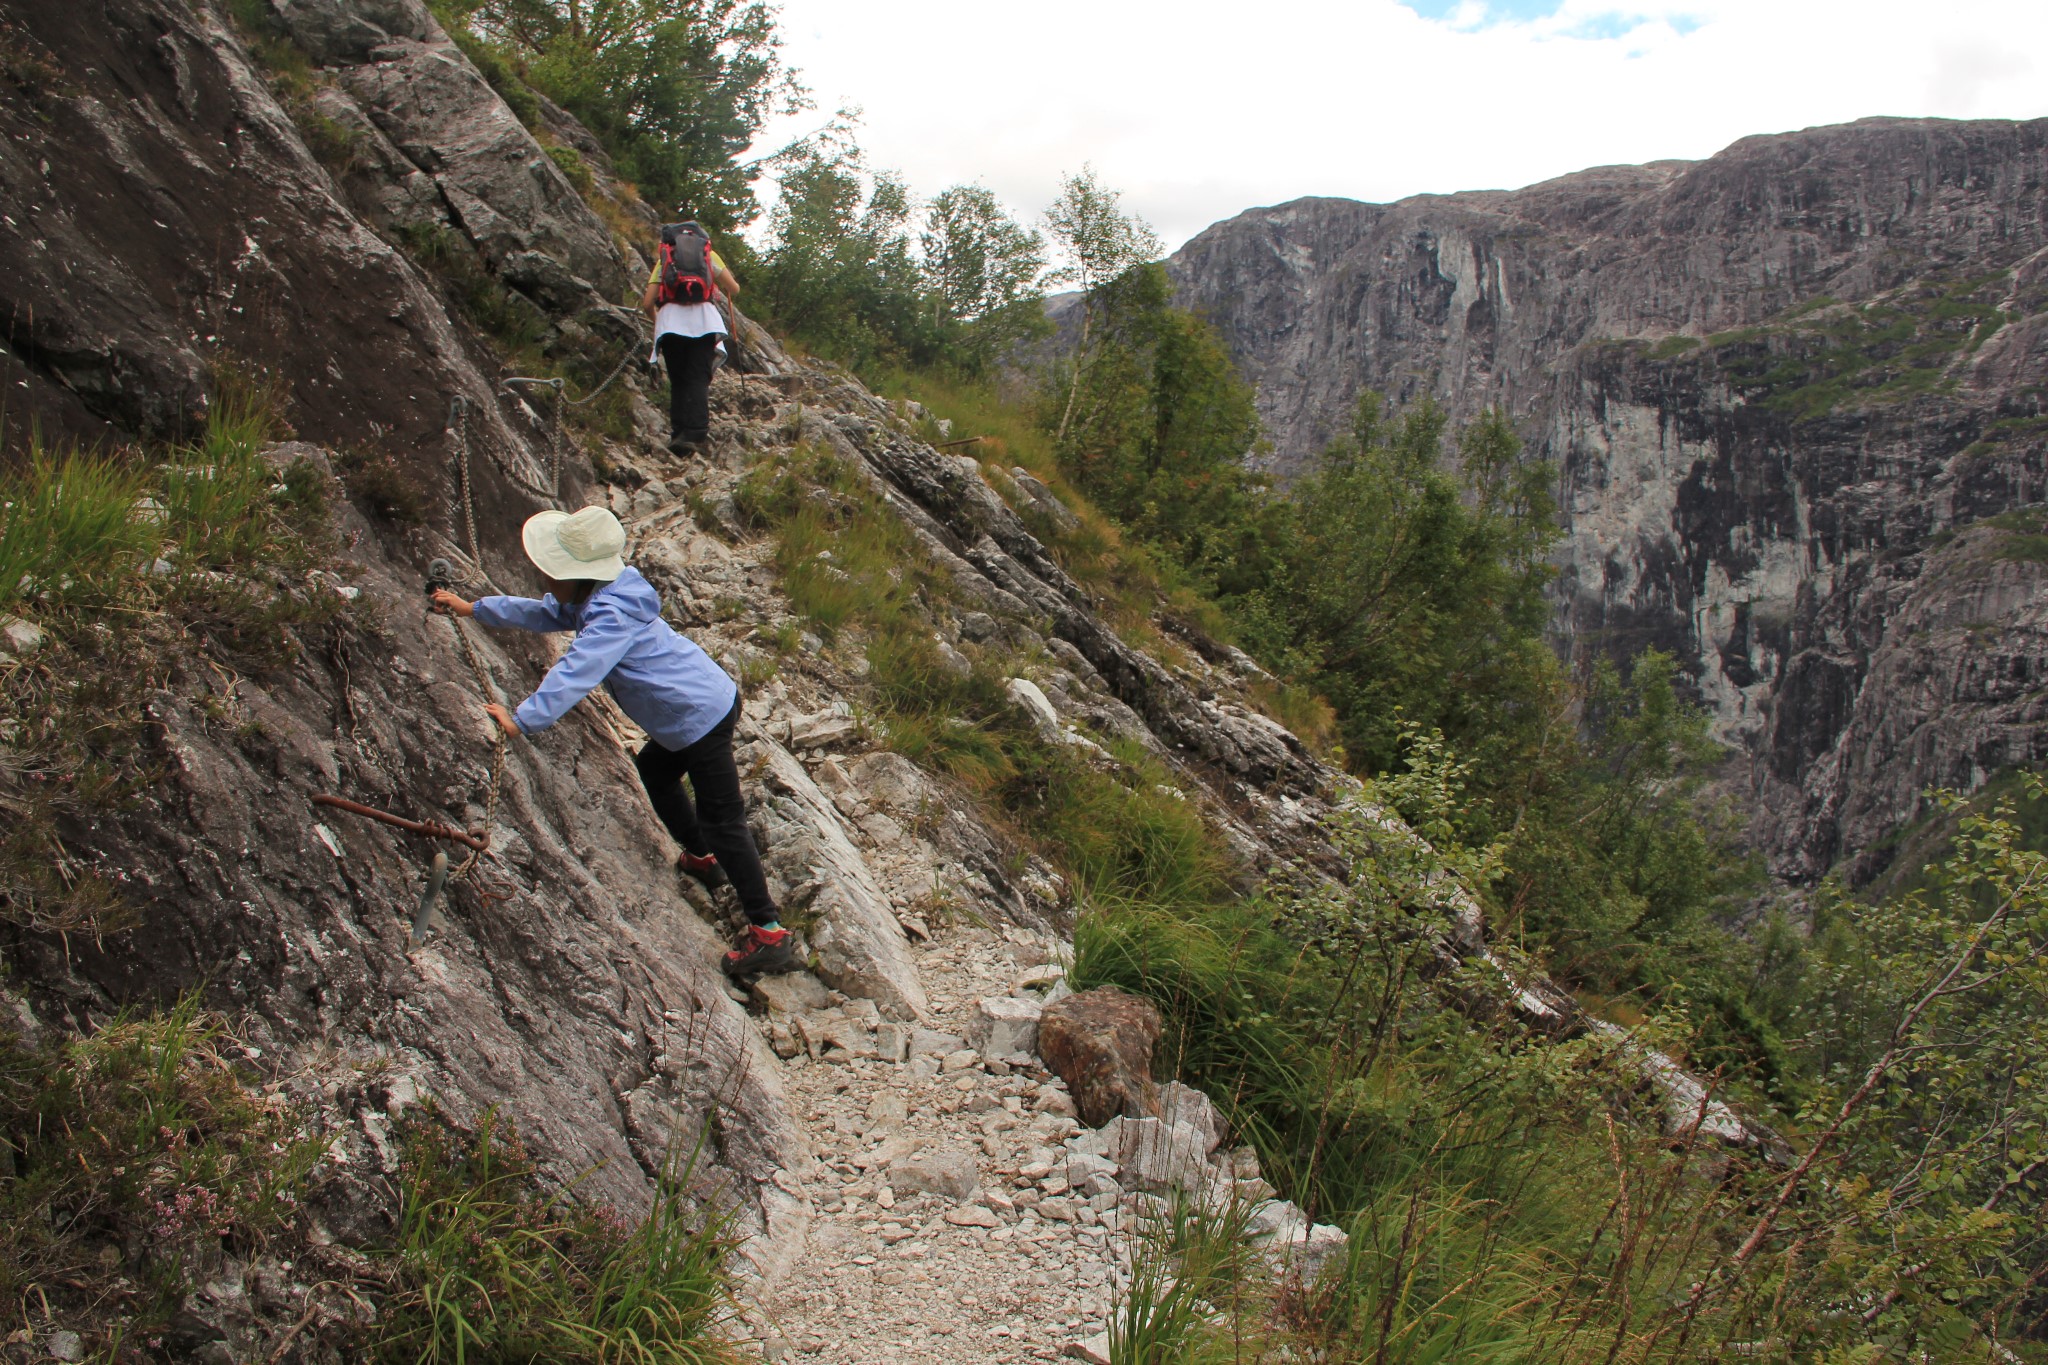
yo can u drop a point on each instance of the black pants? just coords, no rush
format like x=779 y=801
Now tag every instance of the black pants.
x=718 y=823
x=689 y=361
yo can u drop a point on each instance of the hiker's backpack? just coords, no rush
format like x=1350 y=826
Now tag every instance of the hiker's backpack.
x=685 y=265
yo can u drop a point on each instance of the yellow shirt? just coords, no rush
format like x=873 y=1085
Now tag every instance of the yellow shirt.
x=717 y=265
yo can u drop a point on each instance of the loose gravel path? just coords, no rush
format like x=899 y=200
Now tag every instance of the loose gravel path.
x=1016 y=1268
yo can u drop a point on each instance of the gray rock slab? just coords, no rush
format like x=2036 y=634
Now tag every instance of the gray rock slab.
x=1004 y=1026
x=792 y=993
x=1180 y=1103
x=860 y=948
x=948 y=1171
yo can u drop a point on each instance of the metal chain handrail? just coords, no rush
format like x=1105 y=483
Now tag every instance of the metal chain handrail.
x=556 y=437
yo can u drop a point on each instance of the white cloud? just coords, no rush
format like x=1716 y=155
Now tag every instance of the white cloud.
x=1199 y=109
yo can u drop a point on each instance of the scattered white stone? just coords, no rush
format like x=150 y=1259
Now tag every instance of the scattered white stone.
x=887 y=1112
x=829 y=1035
x=1080 y=1167
x=1004 y=1026
x=792 y=992
x=822 y=730
x=1092 y=1141
x=892 y=1042
x=21 y=637
x=1056 y=1207
x=1305 y=1252
x=931 y=1042
x=1156 y=1154
x=1026 y=696
x=1093 y=1349
x=1184 y=1104
x=1276 y=1220
x=961 y=1060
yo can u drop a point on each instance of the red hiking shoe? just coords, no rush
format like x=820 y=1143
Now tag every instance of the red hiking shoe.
x=704 y=867
x=758 y=951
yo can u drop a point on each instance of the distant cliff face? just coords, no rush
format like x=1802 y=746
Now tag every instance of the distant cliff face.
x=1794 y=393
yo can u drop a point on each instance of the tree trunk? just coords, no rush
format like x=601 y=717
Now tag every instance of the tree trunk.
x=1074 y=388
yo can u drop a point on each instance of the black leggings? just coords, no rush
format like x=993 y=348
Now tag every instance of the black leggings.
x=690 y=361
x=718 y=823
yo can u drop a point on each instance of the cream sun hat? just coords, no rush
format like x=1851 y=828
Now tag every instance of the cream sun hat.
x=584 y=544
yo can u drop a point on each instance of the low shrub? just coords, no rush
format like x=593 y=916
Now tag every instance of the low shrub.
x=135 y=1160
x=387 y=486
x=492 y=1267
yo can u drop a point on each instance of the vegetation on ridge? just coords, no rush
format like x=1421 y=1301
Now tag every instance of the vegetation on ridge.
x=1506 y=1200
x=119 y=562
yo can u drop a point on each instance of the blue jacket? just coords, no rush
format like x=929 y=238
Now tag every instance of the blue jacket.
x=671 y=688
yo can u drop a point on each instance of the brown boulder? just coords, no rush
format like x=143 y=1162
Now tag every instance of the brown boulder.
x=1100 y=1043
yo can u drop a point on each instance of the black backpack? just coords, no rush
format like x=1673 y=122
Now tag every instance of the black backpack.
x=685 y=265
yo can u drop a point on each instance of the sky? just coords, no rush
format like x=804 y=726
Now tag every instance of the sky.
x=1198 y=110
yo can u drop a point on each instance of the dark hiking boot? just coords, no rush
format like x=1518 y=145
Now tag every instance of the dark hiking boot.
x=704 y=867
x=683 y=449
x=757 y=951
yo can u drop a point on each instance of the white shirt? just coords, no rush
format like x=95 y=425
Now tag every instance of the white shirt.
x=687 y=320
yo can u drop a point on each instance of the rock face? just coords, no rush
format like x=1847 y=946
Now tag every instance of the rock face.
x=179 y=219
x=1774 y=382
x=1100 y=1043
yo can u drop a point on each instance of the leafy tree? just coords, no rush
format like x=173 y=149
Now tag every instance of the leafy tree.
x=840 y=271
x=1100 y=243
x=981 y=268
x=1924 y=1032
x=1160 y=427
x=1409 y=593
x=676 y=89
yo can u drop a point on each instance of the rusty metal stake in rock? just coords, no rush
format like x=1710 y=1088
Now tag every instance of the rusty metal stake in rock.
x=433 y=829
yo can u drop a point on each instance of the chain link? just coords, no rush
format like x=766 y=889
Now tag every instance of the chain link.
x=557 y=439
x=490 y=692
x=458 y=425
x=617 y=370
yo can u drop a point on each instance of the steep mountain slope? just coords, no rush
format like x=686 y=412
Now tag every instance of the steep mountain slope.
x=1779 y=385
x=167 y=220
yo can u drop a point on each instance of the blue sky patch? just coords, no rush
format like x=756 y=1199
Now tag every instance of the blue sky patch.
x=1497 y=11
x=1607 y=26
x=1613 y=24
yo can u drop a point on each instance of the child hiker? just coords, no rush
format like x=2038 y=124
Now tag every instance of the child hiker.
x=671 y=688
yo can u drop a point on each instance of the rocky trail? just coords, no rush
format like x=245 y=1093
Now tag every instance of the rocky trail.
x=926 y=1155
x=936 y=1234
x=956 y=1208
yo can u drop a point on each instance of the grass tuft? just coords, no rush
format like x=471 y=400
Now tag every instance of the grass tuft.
x=135 y=1160
x=495 y=1269
x=124 y=564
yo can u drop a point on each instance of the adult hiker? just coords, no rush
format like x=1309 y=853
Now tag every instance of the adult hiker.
x=689 y=327
x=669 y=686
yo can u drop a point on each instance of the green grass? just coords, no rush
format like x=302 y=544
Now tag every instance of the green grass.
x=852 y=568
x=129 y=562
x=135 y=1159
x=493 y=1268
x=1495 y=1213
x=1825 y=356
x=506 y=316
x=295 y=81
x=1673 y=346
x=1134 y=589
x=144 y=1159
